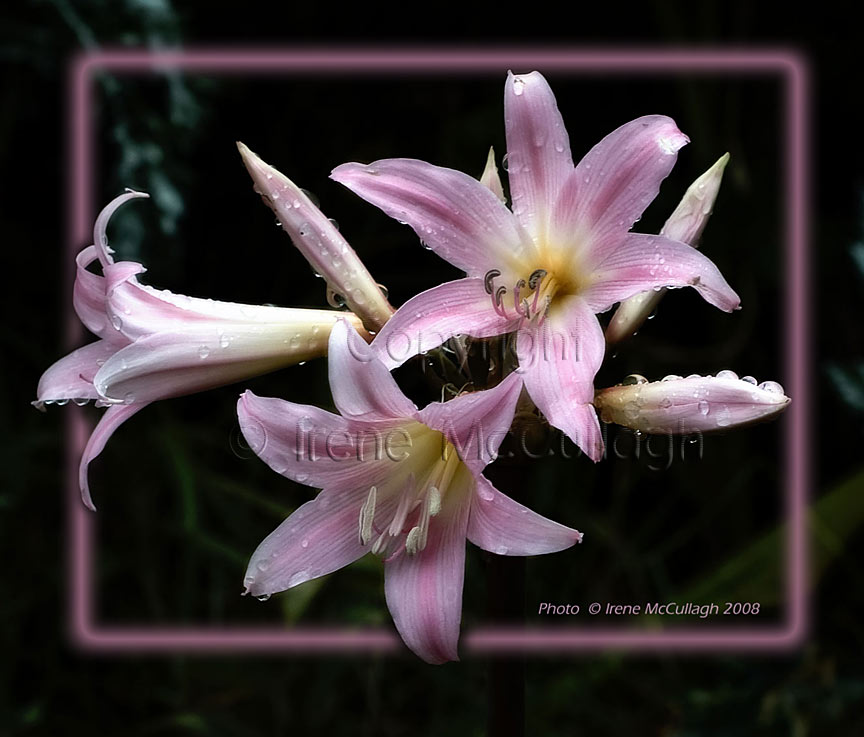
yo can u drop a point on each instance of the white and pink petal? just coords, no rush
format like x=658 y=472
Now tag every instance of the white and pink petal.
x=456 y=216
x=501 y=525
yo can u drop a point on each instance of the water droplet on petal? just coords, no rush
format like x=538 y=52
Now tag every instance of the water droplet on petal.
x=727 y=374
x=772 y=386
x=203 y=352
x=634 y=379
x=704 y=407
x=263 y=597
x=749 y=380
x=298 y=578
x=671 y=377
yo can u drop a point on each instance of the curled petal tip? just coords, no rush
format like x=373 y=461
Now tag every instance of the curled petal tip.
x=694 y=404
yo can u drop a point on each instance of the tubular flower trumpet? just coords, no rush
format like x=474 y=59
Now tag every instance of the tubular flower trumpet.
x=154 y=344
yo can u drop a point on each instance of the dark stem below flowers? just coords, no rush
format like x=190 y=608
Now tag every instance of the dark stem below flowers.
x=505 y=606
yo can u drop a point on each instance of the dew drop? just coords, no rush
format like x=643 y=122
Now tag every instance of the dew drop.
x=704 y=407
x=727 y=374
x=116 y=322
x=304 y=543
x=518 y=86
x=263 y=597
x=749 y=380
x=203 y=352
x=298 y=578
x=224 y=341
x=772 y=386
x=634 y=379
x=671 y=377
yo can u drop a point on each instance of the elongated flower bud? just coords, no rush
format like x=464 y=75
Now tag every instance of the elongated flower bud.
x=490 y=178
x=694 y=404
x=320 y=242
x=686 y=225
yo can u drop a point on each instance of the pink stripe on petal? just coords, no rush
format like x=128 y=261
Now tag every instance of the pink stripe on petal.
x=503 y=526
x=361 y=384
x=645 y=262
x=114 y=416
x=436 y=315
x=558 y=364
x=320 y=537
x=454 y=214
x=172 y=364
x=538 y=150
x=88 y=297
x=476 y=423
x=616 y=181
x=424 y=591
x=314 y=447
x=72 y=376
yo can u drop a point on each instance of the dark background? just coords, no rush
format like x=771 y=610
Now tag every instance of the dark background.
x=182 y=505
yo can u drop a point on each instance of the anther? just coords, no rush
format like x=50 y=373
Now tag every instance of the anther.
x=517 y=300
x=367 y=516
x=412 y=542
x=496 y=300
x=433 y=500
x=536 y=277
x=491 y=275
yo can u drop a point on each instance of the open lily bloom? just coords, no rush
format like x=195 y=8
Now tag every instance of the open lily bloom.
x=544 y=269
x=692 y=404
x=398 y=482
x=154 y=344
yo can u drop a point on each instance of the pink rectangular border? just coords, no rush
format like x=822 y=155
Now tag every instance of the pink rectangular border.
x=791 y=67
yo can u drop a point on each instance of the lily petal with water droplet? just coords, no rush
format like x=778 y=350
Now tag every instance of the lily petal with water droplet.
x=402 y=483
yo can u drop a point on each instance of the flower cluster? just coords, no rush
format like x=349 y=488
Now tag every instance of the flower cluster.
x=404 y=483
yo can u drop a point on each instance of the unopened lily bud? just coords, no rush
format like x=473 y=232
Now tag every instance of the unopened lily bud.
x=694 y=404
x=490 y=178
x=317 y=238
x=686 y=225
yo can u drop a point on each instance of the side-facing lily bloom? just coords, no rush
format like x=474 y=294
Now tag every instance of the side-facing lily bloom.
x=544 y=269
x=154 y=344
x=694 y=404
x=401 y=483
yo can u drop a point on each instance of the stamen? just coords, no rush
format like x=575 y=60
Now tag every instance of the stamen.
x=412 y=542
x=547 y=302
x=490 y=277
x=380 y=544
x=367 y=516
x=534 y=282
x=406 y=502
x=526 y=310
x=496 y=301
x=517 y=300
x=536 y=277
x=433 y=501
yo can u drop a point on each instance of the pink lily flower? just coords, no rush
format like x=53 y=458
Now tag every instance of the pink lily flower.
x=545 y=269
x=401 y=483
x=695 y=404
x=154 y=344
